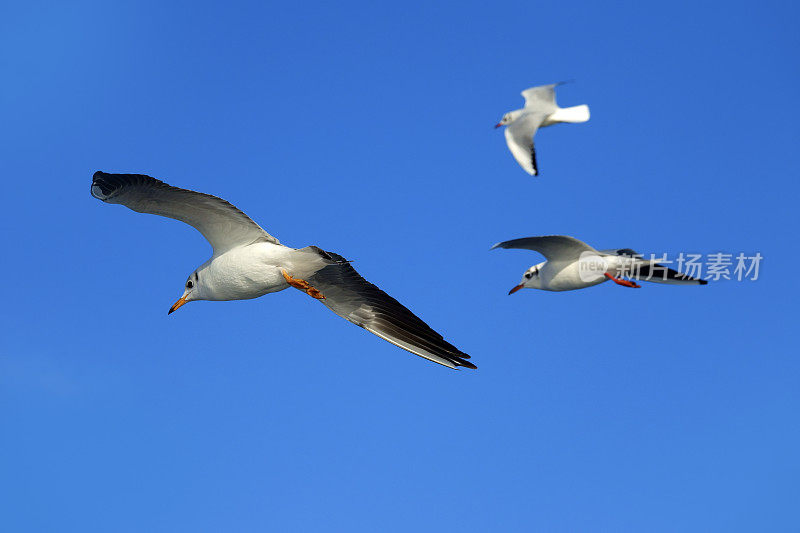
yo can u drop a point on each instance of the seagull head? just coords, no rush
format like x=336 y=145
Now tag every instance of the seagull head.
x=530 y=280
x=192 y=291
x=508 y=118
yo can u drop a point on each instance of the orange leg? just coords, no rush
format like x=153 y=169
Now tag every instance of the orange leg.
x=303 y=285
x=620 y=281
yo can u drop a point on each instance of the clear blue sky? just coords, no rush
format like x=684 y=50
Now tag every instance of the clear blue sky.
x=367 y=130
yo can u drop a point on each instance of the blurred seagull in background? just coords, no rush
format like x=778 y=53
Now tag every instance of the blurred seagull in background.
x=572 y=264
x=247 y=262
x=540 y=110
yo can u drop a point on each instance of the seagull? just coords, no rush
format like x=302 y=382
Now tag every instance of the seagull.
x=540 y=110
x=247 y=262
x=572 y=264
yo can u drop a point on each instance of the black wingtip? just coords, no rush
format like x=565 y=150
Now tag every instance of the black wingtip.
x=102 y=186
x=466 y=364
x=106 y=185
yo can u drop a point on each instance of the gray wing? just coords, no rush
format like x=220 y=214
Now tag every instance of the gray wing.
x=223 y=225
x=553 y=247
x=519 y=138
x=352 y=297
x=541 y=98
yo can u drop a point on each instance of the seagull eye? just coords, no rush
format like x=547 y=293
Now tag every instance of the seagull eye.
x=528 y=275
x=189 y=284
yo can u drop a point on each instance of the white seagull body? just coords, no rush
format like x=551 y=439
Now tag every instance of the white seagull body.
x=247 y=262
x=572 y=264
x=540 y=110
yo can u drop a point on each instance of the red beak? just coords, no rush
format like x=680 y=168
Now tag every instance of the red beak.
x=176 y=305
x=515 y=289
x=498 y=125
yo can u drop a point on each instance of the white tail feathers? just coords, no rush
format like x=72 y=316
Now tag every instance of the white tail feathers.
x=578 y=113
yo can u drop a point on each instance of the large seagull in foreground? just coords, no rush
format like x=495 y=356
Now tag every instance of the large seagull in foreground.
x=248 y=262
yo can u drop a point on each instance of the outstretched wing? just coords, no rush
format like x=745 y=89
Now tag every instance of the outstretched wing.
x=519 y=137
x=649 y=271
x=541 y=97
x=352 y=297
x=553 y=247
x=641 y=269
x=223 y=225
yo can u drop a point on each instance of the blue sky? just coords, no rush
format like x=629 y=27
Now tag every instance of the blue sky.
x=366 y=129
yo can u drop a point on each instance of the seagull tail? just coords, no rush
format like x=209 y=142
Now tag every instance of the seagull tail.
x=578 y=113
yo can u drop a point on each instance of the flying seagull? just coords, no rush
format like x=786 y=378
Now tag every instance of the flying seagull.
x=247 y=262
x=572 y=264
x=540 y=110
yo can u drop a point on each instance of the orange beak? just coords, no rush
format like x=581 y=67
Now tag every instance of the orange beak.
x=515 y=289
x=176 y=305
